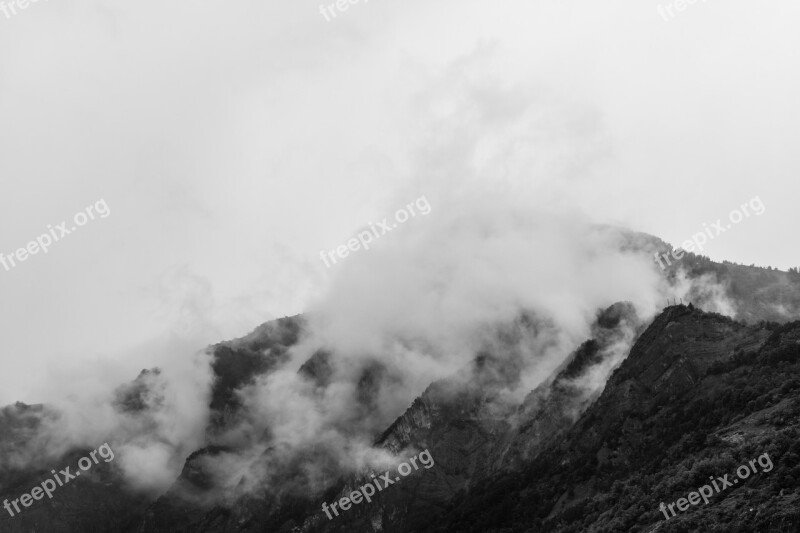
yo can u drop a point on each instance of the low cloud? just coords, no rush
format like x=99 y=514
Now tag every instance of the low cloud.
x=152 y=423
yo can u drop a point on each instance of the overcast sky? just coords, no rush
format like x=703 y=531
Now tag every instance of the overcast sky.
x=233 y=141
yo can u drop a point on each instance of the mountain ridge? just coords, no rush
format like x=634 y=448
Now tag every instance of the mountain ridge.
x=479 y=439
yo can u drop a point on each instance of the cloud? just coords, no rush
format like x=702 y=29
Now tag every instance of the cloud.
x=509 y=272
x=152 y=423
x=227 y=117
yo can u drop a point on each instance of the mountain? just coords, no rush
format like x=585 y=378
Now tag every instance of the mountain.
x=757 y=294
x=699 y=395
x=642 y=412
x=97 y=502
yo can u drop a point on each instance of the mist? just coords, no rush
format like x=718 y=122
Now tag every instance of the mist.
x=234 y=142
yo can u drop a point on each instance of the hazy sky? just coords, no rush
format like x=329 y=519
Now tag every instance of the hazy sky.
x=233 y=141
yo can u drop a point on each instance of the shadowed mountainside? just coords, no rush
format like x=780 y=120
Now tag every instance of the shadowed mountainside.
x=698 y=395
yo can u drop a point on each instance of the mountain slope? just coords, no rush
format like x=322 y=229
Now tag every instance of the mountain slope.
x=698 y=396
x=564 y=459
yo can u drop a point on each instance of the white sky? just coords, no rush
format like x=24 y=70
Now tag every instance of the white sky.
x=234 y=141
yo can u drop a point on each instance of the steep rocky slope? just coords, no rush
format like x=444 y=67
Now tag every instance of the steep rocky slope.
x=473 y=436
x=698 y=396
